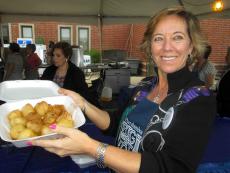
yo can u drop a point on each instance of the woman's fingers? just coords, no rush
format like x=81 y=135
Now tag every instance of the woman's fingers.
x=63 y=91
x=59 y=152
x=46 y=143
x=75 y=96
x=62 y=130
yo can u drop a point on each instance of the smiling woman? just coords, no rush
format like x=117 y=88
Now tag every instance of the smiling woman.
x=165 y=124
x=171 y=44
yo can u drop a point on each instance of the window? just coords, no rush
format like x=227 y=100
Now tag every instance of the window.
x=26 y=31
x=65 y=33
x=83 y=37
x=6 y=33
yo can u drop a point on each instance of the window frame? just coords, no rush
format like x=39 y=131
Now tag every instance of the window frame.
x=71 y=32
x=26 y=25
x=77 y=34
x=9 y=31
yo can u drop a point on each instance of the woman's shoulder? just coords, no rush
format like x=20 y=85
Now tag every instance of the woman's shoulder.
x=73 y=67
x=51 y=68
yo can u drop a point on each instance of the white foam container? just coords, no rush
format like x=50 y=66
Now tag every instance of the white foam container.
x=76 y=113
x=27 y=89
x=83 y=161
x=19 y=92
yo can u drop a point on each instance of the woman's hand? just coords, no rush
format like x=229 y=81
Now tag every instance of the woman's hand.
x=73 y=142
x=77 y=98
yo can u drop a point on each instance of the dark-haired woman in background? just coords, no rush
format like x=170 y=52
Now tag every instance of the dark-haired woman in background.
x=32 y=63
x=14 y=63
x=64 y=72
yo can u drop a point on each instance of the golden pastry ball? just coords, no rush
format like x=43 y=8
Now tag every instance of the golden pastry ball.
x=35 y=126
x=16 y=130
x=50 y=118
x=41 y=108
x=58 y=109
x=26 y=133
x=14 y=114
x=18 y=120
x=66 y=123
x=27 y=109
x=45 y=130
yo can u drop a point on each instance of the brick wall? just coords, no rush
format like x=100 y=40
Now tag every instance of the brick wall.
x=128 y=37
x=115 y=36
x=217 y=32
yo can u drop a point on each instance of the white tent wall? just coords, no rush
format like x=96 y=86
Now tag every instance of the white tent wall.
x=100 y=12
x=110 y=11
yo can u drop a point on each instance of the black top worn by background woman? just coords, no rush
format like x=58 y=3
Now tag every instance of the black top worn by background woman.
x=74 y=79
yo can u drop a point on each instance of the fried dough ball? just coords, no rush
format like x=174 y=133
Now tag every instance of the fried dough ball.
x=18 y=120
x=66 y=123
x=14 y=114
x=58 y=109
x=50 y=108
x=16 y=130
x=26 y=133
x=33 y=116
x=41 y=108
x=35 y=126
x=64 y=115
x=50 y=118
x=27 y=109
x=45 y=130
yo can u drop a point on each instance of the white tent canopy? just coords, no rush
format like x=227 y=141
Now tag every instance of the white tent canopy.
x=95 y=11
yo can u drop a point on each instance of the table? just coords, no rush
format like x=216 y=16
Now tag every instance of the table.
x=37 y=160
x=217 y=155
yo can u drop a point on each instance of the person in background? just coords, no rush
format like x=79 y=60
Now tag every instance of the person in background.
x=14 y=65
x=49 y=54
x=165 y=125
x=205 y=69
x=223 y=90
x=227 y=58
x=2 y=62
x=64 y=72
x=32 y=63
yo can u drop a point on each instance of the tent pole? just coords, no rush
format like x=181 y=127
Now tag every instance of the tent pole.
x=100 y=24
x=100 y=35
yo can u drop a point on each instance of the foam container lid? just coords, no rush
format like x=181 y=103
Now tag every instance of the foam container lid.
x=27 y=89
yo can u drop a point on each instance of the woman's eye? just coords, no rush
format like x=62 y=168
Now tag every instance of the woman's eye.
x=157 y=39
x=57 y=55
x=178 y=37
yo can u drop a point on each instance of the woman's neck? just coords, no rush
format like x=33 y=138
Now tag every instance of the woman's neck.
x=62 y=70
x=160 y=91
x=162 y=80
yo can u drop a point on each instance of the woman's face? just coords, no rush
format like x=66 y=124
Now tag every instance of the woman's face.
x=28 y=50
x=58 y=57
x=171 y=44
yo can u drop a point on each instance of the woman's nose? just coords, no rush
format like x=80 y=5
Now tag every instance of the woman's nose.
x=167 y=44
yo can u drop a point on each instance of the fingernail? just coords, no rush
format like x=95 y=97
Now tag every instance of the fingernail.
x=29 y=143
x=53 y=126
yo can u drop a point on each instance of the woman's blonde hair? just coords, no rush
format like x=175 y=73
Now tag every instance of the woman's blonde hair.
x=193 y=28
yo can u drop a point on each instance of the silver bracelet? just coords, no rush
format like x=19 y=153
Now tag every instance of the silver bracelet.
x=100 y=157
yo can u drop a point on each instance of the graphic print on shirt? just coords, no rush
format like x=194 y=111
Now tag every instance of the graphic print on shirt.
x=130 y=136
x=134 y=123
x=161 y=120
